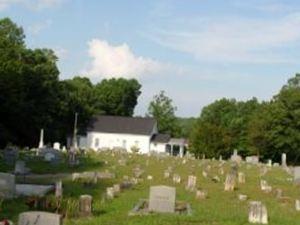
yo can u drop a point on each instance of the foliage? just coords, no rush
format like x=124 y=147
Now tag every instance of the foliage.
x=117 y=96
x=32 y=97
x=222 y=127
x=162 y=109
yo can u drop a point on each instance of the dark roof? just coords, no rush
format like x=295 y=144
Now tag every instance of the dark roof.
x=161 y=138
x=122 y=125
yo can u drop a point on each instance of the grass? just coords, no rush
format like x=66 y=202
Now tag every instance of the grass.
x=220 y=208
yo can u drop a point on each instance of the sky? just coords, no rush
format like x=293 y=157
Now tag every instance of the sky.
x=197 y=51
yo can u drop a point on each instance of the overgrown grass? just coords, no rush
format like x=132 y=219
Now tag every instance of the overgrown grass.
x=220 y=208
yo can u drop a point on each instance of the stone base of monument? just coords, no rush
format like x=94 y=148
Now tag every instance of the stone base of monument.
x=142 y=208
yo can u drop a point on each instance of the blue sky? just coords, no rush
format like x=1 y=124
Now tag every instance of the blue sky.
x=196 y=50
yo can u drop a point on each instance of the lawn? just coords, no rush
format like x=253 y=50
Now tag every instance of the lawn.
x=220 y=208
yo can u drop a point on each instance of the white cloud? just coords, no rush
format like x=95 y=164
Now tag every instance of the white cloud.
x=118 y=61
x=31 y=4
x=237 y=40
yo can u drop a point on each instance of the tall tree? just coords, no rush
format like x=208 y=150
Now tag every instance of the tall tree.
x=117 y=96
x=28 y=86
x=162 y=109
x=77 y=95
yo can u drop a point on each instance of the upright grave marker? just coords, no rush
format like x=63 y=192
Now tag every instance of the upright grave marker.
x=39 y=218
x=7 y=185
x=162 y=199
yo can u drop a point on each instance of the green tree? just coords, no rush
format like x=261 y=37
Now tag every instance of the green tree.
x=117 y=96
x=77 y=95
x=28 y=85
x=161 y=108
x=222 y=127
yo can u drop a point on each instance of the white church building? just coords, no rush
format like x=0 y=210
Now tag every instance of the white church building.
x=116 y=132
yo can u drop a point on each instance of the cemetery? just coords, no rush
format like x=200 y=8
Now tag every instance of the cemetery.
x=110 y=186
x=83 y=143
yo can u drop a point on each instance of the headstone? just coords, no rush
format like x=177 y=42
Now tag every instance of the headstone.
x=235 y=157
x=10 y=155
x=58 y=189
x=254 y=159
x=162 y=199
x=39 y=218
x=7 y=185
x=166 y=174
x=176 y=179
x=56 y=145
x=200 y=194
x=283 y=160
x=117 y=189
x=241 y=178
x=110 y=194
x=242 y=197
x=204 y=174
x=265 y=187
x=20 y=168
x=297 y=205
x=221 y=171
x=191 y=185
x=41 y=143
x=297 y=175
x=149 y=177
x=269 y=163
x=230 y=182
x=85 y=205
x=51 y=155
x=257 y=213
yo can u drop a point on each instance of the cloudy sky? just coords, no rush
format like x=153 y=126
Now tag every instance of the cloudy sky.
x=196 y=50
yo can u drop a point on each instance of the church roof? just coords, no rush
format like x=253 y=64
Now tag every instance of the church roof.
x=161 y=138
x=122 y=125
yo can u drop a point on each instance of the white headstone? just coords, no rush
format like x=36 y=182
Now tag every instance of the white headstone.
x=257 y=213
x=56 y=145
x=41 y=143
x=283 y=160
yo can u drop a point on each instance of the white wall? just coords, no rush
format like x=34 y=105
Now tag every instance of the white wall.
x=107 y=140
x=158 y=147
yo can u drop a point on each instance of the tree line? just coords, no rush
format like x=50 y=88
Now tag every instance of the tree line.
x=32 y=96
x=267 y=128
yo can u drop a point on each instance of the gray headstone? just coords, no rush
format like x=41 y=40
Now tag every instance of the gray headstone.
x=39 y=218
x=10 y=155
x=20 y=168
x=58 y=189
x=85 y=205
x=7 y=185
x=162 y=199
x=192 y=181
x=297 y=175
